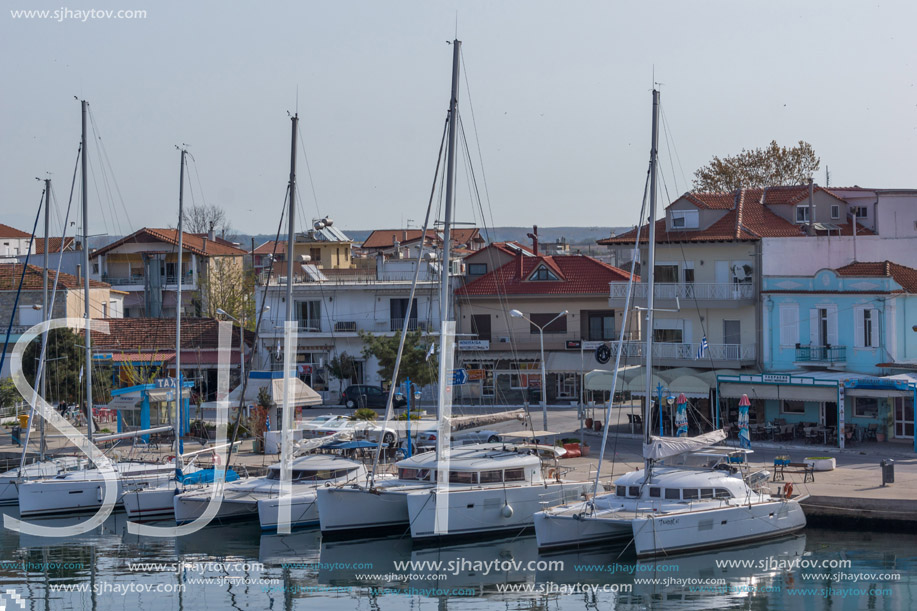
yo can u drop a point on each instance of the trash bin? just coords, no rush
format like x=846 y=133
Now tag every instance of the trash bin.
x=15 y=435
x=23 y=420
x=888 y=471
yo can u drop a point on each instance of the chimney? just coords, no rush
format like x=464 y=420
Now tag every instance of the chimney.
x=811 y=208
x=210 y=234
x=519 y=269
x=534 y=236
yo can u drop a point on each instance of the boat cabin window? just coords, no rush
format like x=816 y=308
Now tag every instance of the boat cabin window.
x=655 y=492
x=673 y=494
x=490 y=477
x=302 y=475
x=411 y=474
x=620 y=490
x=633 y=490
x=462 y=477
x=722 y=493
x=514 y=475
x=706 y=493
x=689 y=494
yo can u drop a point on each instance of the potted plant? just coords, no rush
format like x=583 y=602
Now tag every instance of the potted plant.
x=885 y=426
x=258 y=423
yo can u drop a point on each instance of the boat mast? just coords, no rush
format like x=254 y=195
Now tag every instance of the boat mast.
x=179 y=392
x=87 y=319
x=445 y=301
x=649 y=271
x=45 y=316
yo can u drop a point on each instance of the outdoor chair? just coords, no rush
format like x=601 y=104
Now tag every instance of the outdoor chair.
x=871 y=431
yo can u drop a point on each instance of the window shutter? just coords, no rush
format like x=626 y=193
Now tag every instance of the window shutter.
x=813 y=326
x=859 y=339
x=876 y=329
x=789 y=333
x=832 y=325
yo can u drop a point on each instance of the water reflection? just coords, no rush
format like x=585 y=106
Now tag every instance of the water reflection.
x=236 y=566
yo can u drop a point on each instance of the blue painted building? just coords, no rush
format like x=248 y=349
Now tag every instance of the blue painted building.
x=848 y=329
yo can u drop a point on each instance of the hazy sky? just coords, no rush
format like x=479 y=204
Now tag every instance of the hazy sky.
x=560 y=93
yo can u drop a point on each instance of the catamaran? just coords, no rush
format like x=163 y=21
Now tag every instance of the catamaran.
x=689 y=496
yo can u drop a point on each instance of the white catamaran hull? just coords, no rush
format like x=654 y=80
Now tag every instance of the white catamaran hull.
x=188 y=507
x=303 y=511
x=356 y=511
x=476 y=511
x=557 y=530
x=698 y=530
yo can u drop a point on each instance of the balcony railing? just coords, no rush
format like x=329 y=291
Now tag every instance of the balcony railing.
x=821 y=354
x=688 y=351
x=397 y=324
x=377 y=326
x=188 y=279
x=701 y=291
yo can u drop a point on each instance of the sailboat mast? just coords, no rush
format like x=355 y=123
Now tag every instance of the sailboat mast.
x=445 y=301
x=45 y=315
x=181 y=235
x=86 y=317
x=649 y=270
x=291 y=226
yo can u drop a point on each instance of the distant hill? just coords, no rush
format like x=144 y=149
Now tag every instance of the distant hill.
x=584 y=236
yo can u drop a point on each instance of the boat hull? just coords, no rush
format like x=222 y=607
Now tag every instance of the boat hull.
x=150 y=503
x=561 y=530
x=356 y=512
x=54 y=497
x=482 y=511
x=699 y=530
x=189 y=507
x=303 y=511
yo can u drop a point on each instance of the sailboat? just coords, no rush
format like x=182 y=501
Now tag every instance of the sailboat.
x=690 y=495
x=475 y=490
x=83 y=489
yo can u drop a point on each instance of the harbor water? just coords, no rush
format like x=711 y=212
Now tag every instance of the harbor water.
x=239 y=567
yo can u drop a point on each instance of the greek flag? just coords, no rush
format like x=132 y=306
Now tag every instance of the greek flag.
x=702 y=349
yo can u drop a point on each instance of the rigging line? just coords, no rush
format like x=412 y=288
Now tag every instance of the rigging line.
x=259 y=318
x=407 y=319
x=111 y=171
x=302 y=145
x=671 y=163
x=95 y=184
x=200 y=185
x=109 y=200
x=98 y=137
x=674 y=146
x=477 y=139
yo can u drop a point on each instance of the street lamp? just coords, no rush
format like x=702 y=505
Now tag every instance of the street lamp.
x=544 y=389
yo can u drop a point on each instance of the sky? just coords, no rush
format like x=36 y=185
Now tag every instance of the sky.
x=555 y=99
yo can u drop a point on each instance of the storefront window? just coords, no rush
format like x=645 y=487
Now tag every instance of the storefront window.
x=866 y=407
x=792 y=407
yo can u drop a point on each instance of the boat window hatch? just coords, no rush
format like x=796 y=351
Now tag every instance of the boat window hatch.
x=655 y=492
x=673 y=494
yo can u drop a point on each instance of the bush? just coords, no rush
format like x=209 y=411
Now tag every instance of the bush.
x=364 y=413
x=404 y=416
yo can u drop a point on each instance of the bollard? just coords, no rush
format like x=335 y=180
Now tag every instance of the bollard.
x=14 y=433
x=888 y=471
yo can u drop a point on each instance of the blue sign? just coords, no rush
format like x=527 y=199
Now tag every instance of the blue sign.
x=459 y=377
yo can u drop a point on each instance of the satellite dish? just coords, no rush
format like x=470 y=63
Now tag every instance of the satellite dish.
x=738 y=272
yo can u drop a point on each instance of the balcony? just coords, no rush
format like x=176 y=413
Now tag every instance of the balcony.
x=712 y=294
x=169 y=281
x=329 y=329
x=397 y=324
x=821 y=356
x=686 y=354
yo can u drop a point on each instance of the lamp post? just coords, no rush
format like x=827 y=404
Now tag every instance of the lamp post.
x=407 y=394
x=544 y=389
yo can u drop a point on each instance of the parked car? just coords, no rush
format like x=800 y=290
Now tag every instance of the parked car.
x=427 y=439
x=366 y=395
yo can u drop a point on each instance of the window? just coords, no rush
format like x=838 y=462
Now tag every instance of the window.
x=722 y=493
x=861 y=212
x=789 y=324
x=601 y=325
x=688 y=272
x=835 y=211
x=706 y=493
x=462 y=477
x=480 y=325
x=792 y=407
x=316 y=255
x=655 y=492
x=867 y=327
x=543 y=273
x=477 y=269
x=668 y=336
x=558 y=326
x=672 y=494
x=620 y=491
x=398 y=311
x=866 y=407
x=684 y=219
x=666 y=272
x=689 y=494
x=633 y=491
x=802 y=214
x=490 y=477
x=514 y=475
x=309 y=314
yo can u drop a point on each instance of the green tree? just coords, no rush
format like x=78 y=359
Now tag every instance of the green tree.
x=227 y=286
x=342 y=368
x=65 y=358
x=768 y=167
x=414 y=362
x=8 y=393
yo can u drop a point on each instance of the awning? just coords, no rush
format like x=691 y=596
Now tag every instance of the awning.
x=786 y=392
x=693 y=382
x=166 y=394
x=302 y=394
x=570 y=361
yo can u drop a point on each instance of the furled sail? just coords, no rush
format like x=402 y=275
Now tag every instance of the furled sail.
x=663 y=447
